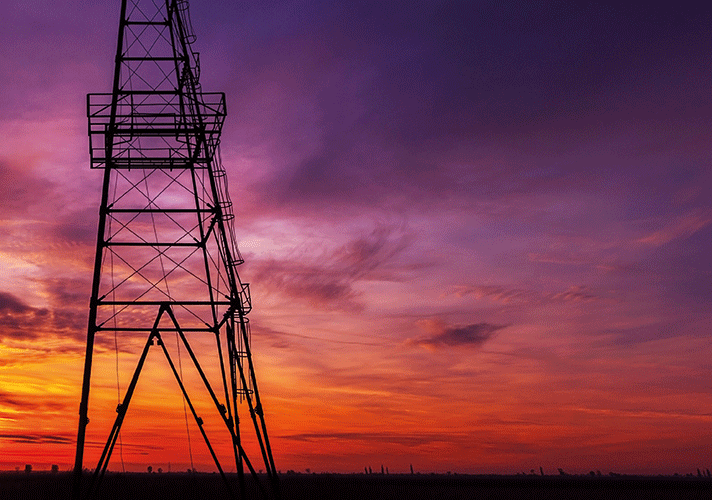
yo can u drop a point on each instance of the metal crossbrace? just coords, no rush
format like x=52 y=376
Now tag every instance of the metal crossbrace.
x=236 y=368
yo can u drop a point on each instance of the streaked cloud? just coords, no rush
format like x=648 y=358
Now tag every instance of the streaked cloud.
x=45 y=439
x=680 y=228
x=327 y=279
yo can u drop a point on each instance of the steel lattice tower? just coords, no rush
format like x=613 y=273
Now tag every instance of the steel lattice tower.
x=166 y=258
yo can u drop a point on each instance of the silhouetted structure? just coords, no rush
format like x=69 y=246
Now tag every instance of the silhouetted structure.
x=166 y=257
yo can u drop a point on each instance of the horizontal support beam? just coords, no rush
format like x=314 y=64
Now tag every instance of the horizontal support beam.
x=197 y=244
x=99 y=163
x=161 y=302
x=183 y=162
x=155 y=131
x=126 y=92
x=151 y=58
x=159 y=211
x=147 y=23
x=149 y=330
x=95 y=98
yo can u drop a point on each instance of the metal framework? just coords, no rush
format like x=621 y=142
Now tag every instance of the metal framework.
x=166 y=257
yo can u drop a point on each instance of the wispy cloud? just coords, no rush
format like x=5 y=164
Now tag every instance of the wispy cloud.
x=20 y=321
x=327 y=281
x=508 y=295
x=680 y=228
x=575 y=294
x=496 y=293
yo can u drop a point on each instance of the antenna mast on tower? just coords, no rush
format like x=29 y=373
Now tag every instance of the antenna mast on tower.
x=166 y=256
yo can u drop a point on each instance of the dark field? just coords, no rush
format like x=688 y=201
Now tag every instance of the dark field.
x=44 y=486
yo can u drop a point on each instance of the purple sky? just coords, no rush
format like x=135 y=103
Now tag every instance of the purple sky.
x=477 y=234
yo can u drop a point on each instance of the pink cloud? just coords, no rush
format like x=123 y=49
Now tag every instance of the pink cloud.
x=680 y=228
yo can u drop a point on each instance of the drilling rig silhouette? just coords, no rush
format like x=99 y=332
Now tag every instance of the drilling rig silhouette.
x=166 y=256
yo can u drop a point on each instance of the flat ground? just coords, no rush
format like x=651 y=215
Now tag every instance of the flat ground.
x=177 y=486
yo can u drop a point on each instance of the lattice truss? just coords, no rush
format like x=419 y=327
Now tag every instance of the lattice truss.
x=167 y=238
x=166 y=252
x=169 y=232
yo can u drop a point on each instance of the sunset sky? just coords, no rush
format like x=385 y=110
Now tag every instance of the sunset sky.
x=478 y=234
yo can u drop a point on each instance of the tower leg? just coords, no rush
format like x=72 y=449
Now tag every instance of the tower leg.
x=121 y=410
x=83 y=419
